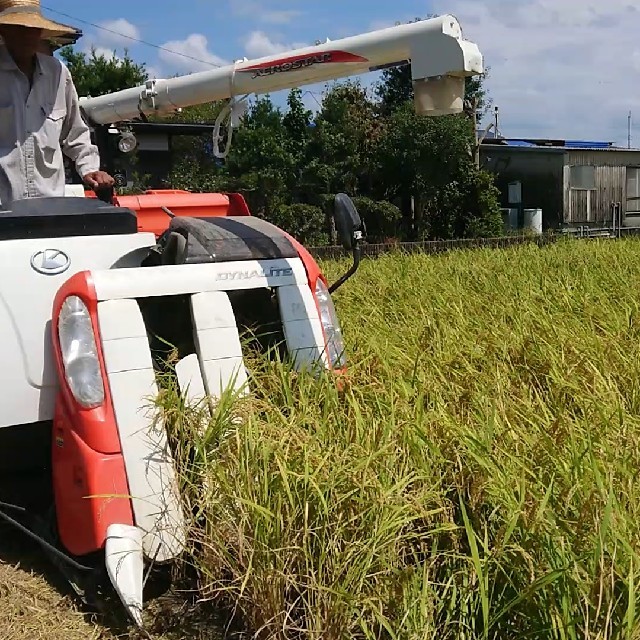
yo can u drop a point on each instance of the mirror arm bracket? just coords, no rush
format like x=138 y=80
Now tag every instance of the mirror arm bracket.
x=357 y=255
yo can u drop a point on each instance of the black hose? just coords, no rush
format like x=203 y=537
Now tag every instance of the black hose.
x=62 y=556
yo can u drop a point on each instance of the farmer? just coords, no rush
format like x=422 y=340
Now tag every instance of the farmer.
x=39 y=112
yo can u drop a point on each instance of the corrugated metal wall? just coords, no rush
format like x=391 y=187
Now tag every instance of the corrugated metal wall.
x=610 y=185
x=608 y=158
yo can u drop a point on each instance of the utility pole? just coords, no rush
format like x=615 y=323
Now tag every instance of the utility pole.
x=629 y=131
x=480 y=139
x=476 y=151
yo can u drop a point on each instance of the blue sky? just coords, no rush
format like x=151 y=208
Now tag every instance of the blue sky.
x=558 y=68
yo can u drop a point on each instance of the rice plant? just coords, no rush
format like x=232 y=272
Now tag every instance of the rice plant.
x=474 y=475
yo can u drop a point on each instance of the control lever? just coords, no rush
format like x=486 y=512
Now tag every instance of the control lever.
x=105 y=194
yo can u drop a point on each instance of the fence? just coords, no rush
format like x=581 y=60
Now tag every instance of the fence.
x=442 y=246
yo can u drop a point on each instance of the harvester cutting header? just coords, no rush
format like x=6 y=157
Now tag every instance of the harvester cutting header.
x=99 y=288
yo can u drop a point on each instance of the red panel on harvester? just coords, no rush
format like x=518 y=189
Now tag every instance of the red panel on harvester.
x=152 y=217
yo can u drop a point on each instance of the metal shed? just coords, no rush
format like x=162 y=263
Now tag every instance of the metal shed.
x=574 y=182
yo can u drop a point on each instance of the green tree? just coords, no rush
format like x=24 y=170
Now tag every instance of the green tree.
x=96 y=74
x=426 y=164
x=340 y=148
x=296 y=123
x=306 y=223
x=261 y=160
x=381 y=218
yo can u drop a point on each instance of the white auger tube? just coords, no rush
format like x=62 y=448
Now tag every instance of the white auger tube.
x=440 y=60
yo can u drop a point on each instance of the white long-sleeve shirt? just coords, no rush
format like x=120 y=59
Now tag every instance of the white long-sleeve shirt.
x=38 y=125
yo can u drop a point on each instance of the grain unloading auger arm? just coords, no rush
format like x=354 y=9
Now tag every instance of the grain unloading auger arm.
x=440 y=61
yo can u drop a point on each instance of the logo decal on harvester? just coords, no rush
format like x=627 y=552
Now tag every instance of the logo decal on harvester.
x=274 y=272
x=296 y=63
x=50 y=262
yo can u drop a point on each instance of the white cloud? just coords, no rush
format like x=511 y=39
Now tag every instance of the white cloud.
x=118 y=32
x=258 y=44
x=115 y=35
x=154 y=72
x=559 y=68
x=190 y=55
x=175 y=57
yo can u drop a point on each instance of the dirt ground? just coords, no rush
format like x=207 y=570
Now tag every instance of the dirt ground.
x=36 y=602
x=31 y=608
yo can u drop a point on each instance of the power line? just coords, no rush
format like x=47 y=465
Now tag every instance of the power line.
x=122 y=35
x=313 y=94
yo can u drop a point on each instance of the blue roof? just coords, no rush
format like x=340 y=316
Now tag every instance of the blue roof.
x=519 y=143
x=586 y=144
x=557 y=144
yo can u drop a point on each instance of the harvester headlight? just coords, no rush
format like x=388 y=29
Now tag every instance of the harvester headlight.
x=331 y=326
x=80 y=354
x=128 y=142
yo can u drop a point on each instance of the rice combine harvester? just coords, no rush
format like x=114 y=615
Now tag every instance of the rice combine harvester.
x=92 y=283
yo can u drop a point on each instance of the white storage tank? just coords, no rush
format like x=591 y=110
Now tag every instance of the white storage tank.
x=532 y=220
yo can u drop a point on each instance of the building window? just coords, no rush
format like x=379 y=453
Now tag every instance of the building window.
x=633 y=190
x=582 y=184
x=582 y=177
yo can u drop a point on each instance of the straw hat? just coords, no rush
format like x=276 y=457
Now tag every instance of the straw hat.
x=27 y=13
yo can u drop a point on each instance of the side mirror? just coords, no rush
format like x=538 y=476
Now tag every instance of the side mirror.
x=347 y=220
x=350 y=232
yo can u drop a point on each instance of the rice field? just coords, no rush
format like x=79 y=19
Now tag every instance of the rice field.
x=474 y=475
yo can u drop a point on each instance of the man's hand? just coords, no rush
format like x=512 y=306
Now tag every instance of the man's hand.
x=98 y=180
